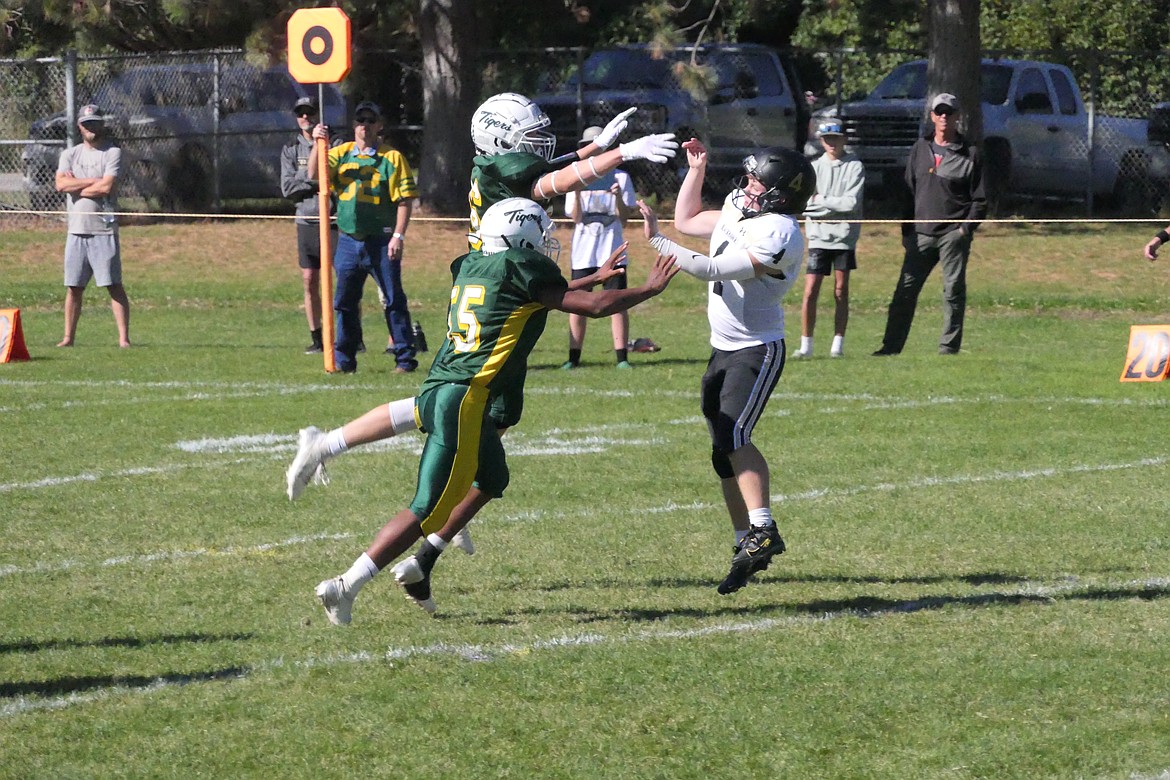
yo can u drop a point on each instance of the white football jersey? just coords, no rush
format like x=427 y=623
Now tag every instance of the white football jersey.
x=751 y=312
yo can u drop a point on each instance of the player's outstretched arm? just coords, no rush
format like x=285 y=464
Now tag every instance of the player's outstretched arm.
x=1155 y=244
x=579 y=174
x=613 y=266
x=607 y=302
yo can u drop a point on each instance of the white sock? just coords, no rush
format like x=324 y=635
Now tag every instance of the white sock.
x=838 y=343
x=760 y=518
x=806 y=344
x=335 y=442
x=438 y=542
x=362 y=571
x=739 y=536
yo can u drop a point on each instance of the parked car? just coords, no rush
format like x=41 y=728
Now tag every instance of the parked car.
x=179 y=142
x=1037 y=135
x=742 y=97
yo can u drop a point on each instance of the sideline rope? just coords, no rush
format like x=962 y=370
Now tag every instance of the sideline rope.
x=418 y=218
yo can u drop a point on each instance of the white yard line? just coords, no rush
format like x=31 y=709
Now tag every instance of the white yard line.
x=518 y=651
x=539 y=515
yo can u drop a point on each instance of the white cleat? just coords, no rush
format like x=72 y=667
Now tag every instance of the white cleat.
x=801 y=354
x=309 y=464
x=417 y=585
x=462 y=540
x=837 y=353
x=337 y=601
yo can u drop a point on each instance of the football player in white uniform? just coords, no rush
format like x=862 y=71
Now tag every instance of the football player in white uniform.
x=754 y=257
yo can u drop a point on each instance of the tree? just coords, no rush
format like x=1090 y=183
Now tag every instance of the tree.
x=447 y=33
x=954 y=57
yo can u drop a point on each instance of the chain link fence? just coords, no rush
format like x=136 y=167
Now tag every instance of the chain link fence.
x=199 y=129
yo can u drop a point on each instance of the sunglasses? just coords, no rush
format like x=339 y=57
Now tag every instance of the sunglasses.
x=944 y=111
x=304 y=114
x=365 y=119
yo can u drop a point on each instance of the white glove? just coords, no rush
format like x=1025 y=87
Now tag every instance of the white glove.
x=606 y=137
x=658 y=148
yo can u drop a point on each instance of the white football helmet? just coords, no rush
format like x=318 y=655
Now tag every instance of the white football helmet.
x=518 y=223
x=509 y=122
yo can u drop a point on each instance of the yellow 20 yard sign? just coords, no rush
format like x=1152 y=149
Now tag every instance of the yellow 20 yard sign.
x=1148 y=357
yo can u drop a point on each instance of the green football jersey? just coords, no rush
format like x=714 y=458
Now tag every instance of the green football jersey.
x=368 y=188
x=497 y=177
x=494 y=320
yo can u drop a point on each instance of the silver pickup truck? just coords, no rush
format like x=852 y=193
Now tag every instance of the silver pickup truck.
x=1039 y=139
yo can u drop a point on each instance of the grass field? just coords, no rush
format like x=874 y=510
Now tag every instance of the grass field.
x=976 y=584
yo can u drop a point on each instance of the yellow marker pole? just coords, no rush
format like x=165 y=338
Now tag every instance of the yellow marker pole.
x=319 y=53
x=327 y=338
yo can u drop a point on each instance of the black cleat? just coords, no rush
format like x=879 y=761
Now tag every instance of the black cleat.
x=753 y=554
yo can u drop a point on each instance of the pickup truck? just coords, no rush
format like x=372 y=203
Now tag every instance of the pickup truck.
x=1038 y=137
x=741 y=97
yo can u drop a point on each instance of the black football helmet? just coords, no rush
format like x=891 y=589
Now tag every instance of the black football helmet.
x=788 y=177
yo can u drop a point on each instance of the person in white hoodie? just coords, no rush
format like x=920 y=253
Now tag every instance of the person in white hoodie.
x=832 y=226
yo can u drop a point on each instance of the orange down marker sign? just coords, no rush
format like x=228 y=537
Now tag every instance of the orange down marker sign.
x=1148 y=357
x=318 y=45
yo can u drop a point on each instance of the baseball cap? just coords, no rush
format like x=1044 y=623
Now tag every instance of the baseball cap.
x=305 y=102
x=588 y=136
x=944 y=99
x=369 y=107
x=829 y=127
x=90 y=113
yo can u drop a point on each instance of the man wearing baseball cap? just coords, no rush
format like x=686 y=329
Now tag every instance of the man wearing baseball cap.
x=375 y=190
x=832 y=224
x=296 y=186
x=946 y=204
x=88 y=175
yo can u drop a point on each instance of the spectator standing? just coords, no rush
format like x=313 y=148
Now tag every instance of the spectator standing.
x=296 y=186
x=946 y=201
x=832 y=227
x=375 y=189
x=755 y=253
x=599 y=213
x=88 y=175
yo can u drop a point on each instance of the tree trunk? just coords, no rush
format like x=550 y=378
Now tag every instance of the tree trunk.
x=954 y=60
x=450 y=94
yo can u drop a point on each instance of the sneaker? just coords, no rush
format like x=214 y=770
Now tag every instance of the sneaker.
x=568 y=365
x=337 y=601
x=309 y=464
x=800 y=354
x=642 y=345
x=314 y=349
x=417 y=585
x=883 y=352
x=754 y=554
x=462 y=540
x=623 y=364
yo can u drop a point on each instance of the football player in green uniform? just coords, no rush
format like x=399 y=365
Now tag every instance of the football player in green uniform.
x=500 y=300
x=514 y=155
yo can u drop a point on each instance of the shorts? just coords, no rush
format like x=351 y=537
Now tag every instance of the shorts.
x=823 y=261
x=735 y=390
x=309 y=245
x=97 y=257
x=462 y=449
x=613 y=283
